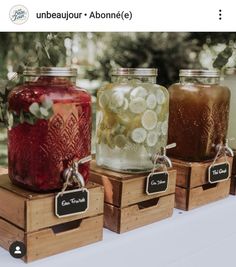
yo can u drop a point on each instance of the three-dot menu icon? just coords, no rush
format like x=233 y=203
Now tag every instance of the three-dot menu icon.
x=220 y=14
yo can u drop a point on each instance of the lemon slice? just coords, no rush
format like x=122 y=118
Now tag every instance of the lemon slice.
x=137 y=105
x=138 y=92
x=151 y=101
x=125 y=104
x=160 y=97
x=149 y=119
x=158 y=109
x=120 y=140
x=139 y=135
x=124 y=119
x=103 y=100
x=151 y=138
x=164 y=127
x=117 y=100
x=158 y=128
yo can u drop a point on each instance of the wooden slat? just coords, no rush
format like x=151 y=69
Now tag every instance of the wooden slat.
x=234 y=164
x=9 y=234
x=133 y=217
x=198 y=196
x=12 y=207
x=33 y=211
x=122 y=193
x=134 y=190
x=181 y=198
x=121 y=220
x=40 y=212
x=233 y=185
x=112 y=217
x=7 y=184
x=112 y=187
x=187 y=199
x=46 y=243
x=193 y=174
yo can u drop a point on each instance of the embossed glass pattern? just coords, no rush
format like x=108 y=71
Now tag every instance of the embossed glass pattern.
x=132 y=120
x=39 y=153
x=198 y=121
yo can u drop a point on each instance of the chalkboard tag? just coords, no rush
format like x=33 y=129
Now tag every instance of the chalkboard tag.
x=71 y=202
x=219 y=172
x=157 y=182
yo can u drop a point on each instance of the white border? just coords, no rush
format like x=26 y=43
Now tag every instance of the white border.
x=67 y=192
x=168 y=15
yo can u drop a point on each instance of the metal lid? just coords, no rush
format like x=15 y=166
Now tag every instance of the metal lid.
x=199 y=73
x=135 y=72
x=50 y=71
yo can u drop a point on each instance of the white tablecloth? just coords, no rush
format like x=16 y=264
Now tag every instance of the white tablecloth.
x=203 y=237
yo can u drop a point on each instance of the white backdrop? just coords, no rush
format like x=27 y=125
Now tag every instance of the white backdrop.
x=149 y=15
x=204 y=237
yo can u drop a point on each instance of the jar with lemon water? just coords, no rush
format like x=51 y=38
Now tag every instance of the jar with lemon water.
x=132 y=120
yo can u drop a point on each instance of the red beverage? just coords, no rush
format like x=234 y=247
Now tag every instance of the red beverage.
x=39 y=153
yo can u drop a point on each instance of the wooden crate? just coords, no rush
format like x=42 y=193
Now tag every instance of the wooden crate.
x=233 y=178
x=127 y=206
x=29 y=217
x=233 y=185
x=234 y=164
x=192 y=187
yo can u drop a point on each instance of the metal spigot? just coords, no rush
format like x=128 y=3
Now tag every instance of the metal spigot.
x=225 y=148
x=228 y=149
x=72 y=173
x=162 y=158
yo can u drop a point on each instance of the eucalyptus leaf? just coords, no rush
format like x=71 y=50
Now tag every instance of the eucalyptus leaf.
x=223 y=58
x=34 y=109
x=10 y=120
x=30 y=120
x=50 y=113
x=47 y=103
x=43 y=111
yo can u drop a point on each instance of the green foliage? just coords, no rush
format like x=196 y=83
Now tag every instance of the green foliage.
x=223 y=58
x=24 y=50
x=36 y=111
x=169 y=52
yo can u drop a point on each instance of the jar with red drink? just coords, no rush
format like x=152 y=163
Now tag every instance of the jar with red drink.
x=51 y=128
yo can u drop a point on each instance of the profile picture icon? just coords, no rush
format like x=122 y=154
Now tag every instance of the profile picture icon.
x=19 y=14
x=17 y=249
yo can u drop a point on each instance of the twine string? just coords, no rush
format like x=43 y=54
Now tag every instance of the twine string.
x=221 y=148
x=72 y=170
x=162 y=165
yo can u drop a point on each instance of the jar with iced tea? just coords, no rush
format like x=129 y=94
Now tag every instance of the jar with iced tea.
x=199 y=112
x=132 y=120
x=51 y=128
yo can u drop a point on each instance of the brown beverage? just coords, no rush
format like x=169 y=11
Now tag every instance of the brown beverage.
x=199 y=111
